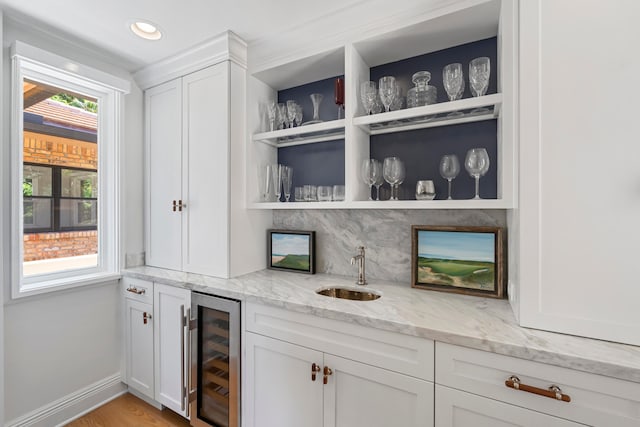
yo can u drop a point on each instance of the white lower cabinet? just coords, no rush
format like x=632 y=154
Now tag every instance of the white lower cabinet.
x=316 y=372
x=170 y=308
x=456 y=408
x=138 y=305
x=284 y=393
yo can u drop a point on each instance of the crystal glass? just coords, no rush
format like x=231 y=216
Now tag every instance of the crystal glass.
x=479 y=72
x=449 y=169
x=276 y=180
x=291 y=112
x=283 y=119
x=338 y=193
x=287 y=178
x=423 y=93
x=338 y=94
x=265 y=177
x=425 y=190
x=477 y=164
x=324 y=193
x=316 y=99
x=368 y=95
x=398 y=102
x=393 y=172
x=298 y=115
x=378 y=178
x=298 y=194
x=310 y=193
x=453 y=80
x=387 y=87
x=271 y=114
x=367 y=171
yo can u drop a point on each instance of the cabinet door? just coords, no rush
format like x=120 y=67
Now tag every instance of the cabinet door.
x=579 y=175
x=163 y=133
x=361 y=395
x=139 y=336
x=206 y=171
x=171 y=358
x=456 y=408
x=279 y=389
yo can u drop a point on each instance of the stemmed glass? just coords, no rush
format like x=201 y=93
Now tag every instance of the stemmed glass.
x=388 y=91
x=277 y=180
x=283 y=119
x=291 y=112
x=394 y=173
x=477 y=164
x=368 y=95
x=453 y=81
x=378 y=178
x=367 y=171
x=479 y=72
x=449 y=169
x=287 y=178
x=316 y=99
x=298 y=115
x=271 y=113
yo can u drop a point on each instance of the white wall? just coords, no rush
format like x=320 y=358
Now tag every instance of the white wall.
x=60 y=343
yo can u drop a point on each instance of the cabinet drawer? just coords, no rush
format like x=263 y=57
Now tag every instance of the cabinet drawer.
x=595 y=400
x=396 y=352
x=138 y=290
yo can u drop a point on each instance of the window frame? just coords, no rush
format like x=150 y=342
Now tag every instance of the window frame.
x=39 y=65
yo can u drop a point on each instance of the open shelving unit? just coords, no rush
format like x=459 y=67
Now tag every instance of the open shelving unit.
x=466 y=29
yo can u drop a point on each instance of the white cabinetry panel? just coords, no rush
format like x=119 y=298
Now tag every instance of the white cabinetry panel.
x=579 y=176
x=139 y=336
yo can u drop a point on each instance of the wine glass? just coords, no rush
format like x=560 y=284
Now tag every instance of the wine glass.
x=367 y=172
x=291 y=112
x=298 y=115
x=283 y=119
x=378 y=178
x=368 y=94
x=449 y=169
x=277 y=181
x=387 y=87
x=479 y=72
x=453 y=81
x=477 y=164
x=271 y=113
x=338 y=95
x=287 y=178
x=394 y=173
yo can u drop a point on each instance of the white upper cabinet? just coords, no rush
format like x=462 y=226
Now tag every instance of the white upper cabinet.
x=195 y=137
x=580 y=180
x=332 y=151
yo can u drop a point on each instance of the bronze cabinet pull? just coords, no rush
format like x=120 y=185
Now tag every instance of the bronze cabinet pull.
x=314 y=370
x=135 y=290
x=554 y=392
x=146 y=316
x=174 y=205
x=327 y=372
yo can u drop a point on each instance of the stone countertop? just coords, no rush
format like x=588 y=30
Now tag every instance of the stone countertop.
x=481 y=323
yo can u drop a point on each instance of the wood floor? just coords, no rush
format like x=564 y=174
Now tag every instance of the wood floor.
x=129 y=411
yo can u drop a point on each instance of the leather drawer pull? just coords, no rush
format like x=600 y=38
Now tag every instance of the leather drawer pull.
x=553 y=392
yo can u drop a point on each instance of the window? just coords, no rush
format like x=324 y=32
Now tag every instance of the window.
x=65 y=136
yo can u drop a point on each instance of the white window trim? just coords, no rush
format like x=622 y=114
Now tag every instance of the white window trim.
x=37 y=64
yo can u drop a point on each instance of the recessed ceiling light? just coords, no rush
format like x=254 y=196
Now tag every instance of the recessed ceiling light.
x=146 y=30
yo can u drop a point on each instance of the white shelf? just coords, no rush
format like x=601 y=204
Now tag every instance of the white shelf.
x=388 y=204
x=434 y=115
x=318 y=132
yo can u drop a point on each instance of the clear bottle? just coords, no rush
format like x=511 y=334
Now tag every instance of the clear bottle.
x=423 y=93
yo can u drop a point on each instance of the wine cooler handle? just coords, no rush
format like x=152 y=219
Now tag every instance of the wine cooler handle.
x=182 y=358
x=188 y=367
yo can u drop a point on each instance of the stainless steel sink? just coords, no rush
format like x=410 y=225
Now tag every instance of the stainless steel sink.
x=348 y=293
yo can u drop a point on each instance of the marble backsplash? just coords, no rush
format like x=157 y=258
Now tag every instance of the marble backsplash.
x=385 y=234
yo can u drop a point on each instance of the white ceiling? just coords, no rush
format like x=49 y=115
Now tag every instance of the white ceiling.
x=184 y=23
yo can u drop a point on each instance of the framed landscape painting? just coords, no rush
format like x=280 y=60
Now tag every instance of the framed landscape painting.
x=465 y=260
x=291 y=250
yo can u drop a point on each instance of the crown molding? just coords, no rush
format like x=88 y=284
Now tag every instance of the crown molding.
x=224 y=47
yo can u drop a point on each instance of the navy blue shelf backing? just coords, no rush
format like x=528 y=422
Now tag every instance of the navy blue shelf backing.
x=420 y=150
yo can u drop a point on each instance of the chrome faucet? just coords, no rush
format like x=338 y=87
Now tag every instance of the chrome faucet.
x=359 y=258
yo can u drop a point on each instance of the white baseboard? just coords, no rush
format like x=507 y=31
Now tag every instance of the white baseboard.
x=74 y=405
x=141 y=396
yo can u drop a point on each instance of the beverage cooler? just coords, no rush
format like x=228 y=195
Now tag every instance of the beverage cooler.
x=215 y=361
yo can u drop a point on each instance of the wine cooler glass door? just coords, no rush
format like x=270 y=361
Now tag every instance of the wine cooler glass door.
x=216 y=362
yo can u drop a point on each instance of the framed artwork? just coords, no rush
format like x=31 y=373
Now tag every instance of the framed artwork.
x=464 y=260
x=291 y=250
